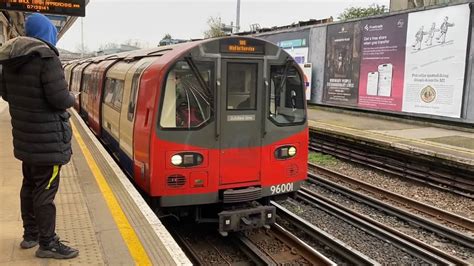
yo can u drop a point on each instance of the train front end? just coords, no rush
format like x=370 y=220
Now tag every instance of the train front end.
x=231 y=132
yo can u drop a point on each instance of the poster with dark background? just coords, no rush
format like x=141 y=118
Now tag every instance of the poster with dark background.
x=382 y=67
x=341 y=80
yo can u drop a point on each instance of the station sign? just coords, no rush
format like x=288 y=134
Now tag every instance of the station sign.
x=76 y=8
x=242 y=46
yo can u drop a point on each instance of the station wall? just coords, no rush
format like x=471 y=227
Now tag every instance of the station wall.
x=418 y=63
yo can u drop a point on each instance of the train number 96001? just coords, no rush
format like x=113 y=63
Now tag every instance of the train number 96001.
x=282 y=188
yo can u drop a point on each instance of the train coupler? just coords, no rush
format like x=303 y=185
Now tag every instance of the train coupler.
x=246 y=218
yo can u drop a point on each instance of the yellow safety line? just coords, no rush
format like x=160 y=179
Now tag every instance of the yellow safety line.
x=425 y=142
x=128 y=233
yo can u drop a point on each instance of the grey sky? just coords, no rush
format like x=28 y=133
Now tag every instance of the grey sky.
x=149 y=20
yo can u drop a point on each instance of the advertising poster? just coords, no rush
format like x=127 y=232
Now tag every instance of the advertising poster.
x=435 y=61
x=383 y=63
x=297 y=48
x=296 y=44
x=341 y=78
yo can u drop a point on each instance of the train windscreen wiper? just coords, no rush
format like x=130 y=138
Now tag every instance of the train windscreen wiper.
x=199 y=77
x=283 y=78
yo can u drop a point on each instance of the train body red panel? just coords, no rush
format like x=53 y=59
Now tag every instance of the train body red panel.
x=218 y=122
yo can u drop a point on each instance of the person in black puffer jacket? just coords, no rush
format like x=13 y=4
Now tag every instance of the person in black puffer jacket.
x=33 y=84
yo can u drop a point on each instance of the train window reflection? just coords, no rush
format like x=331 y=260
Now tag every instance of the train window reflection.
x=241 y=86
x=286 y=95
x=132 y=101
x=113 y=93
x=186 y=103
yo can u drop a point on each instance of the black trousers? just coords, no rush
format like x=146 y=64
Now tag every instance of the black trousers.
x=40 y=185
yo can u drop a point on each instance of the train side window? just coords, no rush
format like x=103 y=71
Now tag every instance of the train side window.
x=241 y=86
x=286 y=95
x=186 y=103
x=85 y=83
x=132 y=101
x=113 y=93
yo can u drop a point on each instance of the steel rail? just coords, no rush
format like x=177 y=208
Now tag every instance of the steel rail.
x=392 y=162
x=422 y=207
x=252 y=251
x=343 y=250
x=395 y=163
x=408 y=244
x=305 y=250
x=449 y=233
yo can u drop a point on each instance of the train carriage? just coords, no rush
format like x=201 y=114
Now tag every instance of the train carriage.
x=219 y=122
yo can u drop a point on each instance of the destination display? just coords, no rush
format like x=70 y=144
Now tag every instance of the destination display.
x=76 y=8
x=242 y=46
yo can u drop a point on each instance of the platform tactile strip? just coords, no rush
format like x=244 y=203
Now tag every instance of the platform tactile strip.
x=73 y=221
x=153 y=245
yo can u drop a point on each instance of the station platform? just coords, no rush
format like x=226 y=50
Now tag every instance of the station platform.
x=453 y=145
x=98 y=209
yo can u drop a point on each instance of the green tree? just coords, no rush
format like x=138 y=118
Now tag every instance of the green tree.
x=167 y=37
x=215 y=27
x=360 y=12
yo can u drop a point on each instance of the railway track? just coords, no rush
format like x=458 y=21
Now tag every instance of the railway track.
x=415 y=168
x=414 y=247
x=461 y=238
x=433 y=212
x=275 y=246
x=349 y=255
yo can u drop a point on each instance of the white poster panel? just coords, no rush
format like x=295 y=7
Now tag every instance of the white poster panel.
x=435 y=61
x=308 y=73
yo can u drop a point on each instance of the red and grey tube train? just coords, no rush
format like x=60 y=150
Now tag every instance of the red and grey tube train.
x=215 y=123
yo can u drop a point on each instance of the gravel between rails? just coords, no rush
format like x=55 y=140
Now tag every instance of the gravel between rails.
x=402 y=226
x=444 y=200
x=375 y=248
x=212 y=248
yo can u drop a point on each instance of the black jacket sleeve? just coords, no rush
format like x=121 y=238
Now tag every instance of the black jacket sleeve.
x=55 y=85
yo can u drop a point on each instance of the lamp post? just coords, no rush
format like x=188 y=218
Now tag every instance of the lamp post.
x=237 y=20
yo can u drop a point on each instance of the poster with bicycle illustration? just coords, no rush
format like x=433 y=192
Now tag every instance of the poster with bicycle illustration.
x=435 y=59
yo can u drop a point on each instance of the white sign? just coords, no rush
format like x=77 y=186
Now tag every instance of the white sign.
x=435 y=61
x=308 y=72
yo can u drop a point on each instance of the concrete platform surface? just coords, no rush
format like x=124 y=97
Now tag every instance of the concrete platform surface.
x=85 y=215
x=446 y=144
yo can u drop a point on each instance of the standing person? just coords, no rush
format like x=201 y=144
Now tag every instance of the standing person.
x=431 y=33
x=444 y=30
x=419 y=38
x=34 y=86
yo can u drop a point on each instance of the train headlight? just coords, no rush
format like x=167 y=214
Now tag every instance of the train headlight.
x=187 y=159
x=292 y=151
x=285 y=152
x=177 y=159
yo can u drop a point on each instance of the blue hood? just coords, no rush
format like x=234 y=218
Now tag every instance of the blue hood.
x=39 y=26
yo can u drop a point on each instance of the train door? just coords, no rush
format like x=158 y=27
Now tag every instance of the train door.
x=127 y=114
x=240 y=121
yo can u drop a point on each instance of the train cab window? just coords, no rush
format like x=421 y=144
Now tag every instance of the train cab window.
x=113 y=93
x=241 y=86
x=187 y=102
x=286 y=95
x=132 y=101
